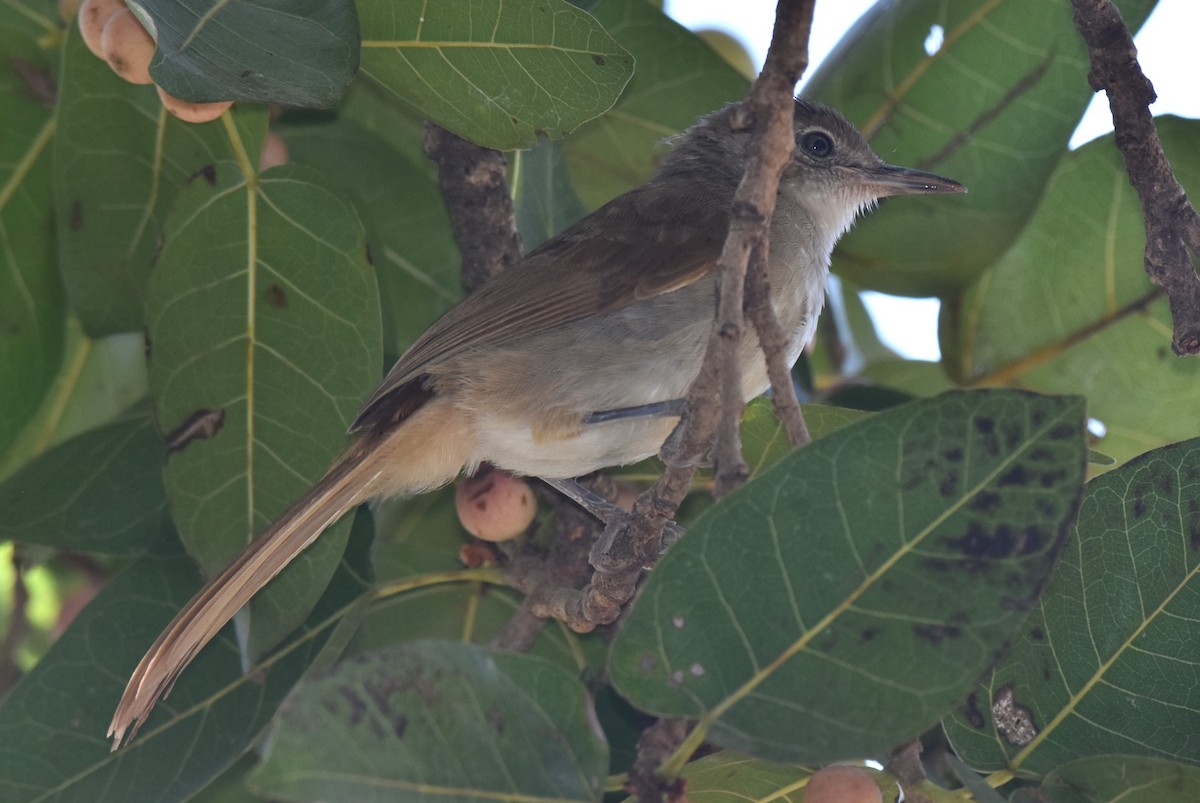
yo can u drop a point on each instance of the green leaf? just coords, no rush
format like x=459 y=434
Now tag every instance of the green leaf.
x=1095 y=323
x=120 y=161
x=839 y=604
x=32 y=312
x=993 y=107
x=291 y=52
x=264 y=329
x=764 y=441
x=30 y=19
x=497 y=73
x=678 y=78
x=412 y=248
x=1119 y=779
x=729 y=777
x=98 y=492
x=544 y=198
x=1106 y=663
x=61 y=709
x=437 y=721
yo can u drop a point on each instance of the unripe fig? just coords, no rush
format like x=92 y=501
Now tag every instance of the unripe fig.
x=495 y=506
x=193 y=112
x=93 y=16
x=841 y=783
x=128 y=47
x=274 y=152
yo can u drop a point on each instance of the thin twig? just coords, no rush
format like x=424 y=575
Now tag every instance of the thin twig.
x=774 y=345
x=715 y=399
x=1172 y=225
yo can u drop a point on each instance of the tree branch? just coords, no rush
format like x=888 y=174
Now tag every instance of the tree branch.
x=474 y=183
x=1172 y=225
x=715 y=399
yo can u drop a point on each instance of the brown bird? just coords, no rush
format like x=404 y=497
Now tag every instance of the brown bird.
x=574 y=359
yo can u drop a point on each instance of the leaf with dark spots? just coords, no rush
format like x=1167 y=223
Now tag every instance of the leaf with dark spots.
x=207 y=172
x=936 y=634
x=1111 y=637
x=1049 y=479
x=1032 y=539
x=971 y=711
x=200 y=425
x=916 y=589
x=979 y=542
x=276 y=296
x=987 y=502
x=496 y=709
x=1041 y=455
x=1139 y=502
x=75 y=219
x=1064 y=432
x=1015 y=475
x=357 y=707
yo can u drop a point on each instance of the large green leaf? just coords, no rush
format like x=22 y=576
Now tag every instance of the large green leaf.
x=32 y=312
x=993 y=107
x=1107 y=663
x=437 y=721
x=100 y=380
x=844 y=600
x=1116 y=779
x=292 y=52
x=52 y=726
x=264 y=327
x=1069 y=307
x=412 y=248
x=120 y=160
x=678 y=78
x=98 y=492
x=498 y=72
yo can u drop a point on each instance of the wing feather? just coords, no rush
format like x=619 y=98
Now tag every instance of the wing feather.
x=584 y=271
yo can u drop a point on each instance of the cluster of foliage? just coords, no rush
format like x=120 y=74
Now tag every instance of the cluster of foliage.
x=184 y=336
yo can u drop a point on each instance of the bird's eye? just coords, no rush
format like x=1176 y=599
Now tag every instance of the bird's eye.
x=818 y=144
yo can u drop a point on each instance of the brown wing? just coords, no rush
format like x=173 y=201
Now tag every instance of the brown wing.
x=672 y=238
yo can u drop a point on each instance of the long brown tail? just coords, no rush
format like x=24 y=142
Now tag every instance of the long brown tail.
x=215 y=604
x=426 y=451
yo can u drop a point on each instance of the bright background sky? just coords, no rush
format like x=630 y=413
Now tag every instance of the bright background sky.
x=1166 y=50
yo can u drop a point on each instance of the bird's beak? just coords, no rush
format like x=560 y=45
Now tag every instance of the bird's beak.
x=891 y=180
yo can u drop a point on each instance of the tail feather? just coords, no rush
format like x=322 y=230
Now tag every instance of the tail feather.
x=222 y=597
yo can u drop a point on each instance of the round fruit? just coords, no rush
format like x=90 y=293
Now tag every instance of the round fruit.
x=495 y=506
x=274 y=152
x=93 y=16
x=193 y=112
x=841 y=783
x=128 y=47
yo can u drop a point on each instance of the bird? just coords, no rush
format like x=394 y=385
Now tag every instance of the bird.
x=575 y=358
